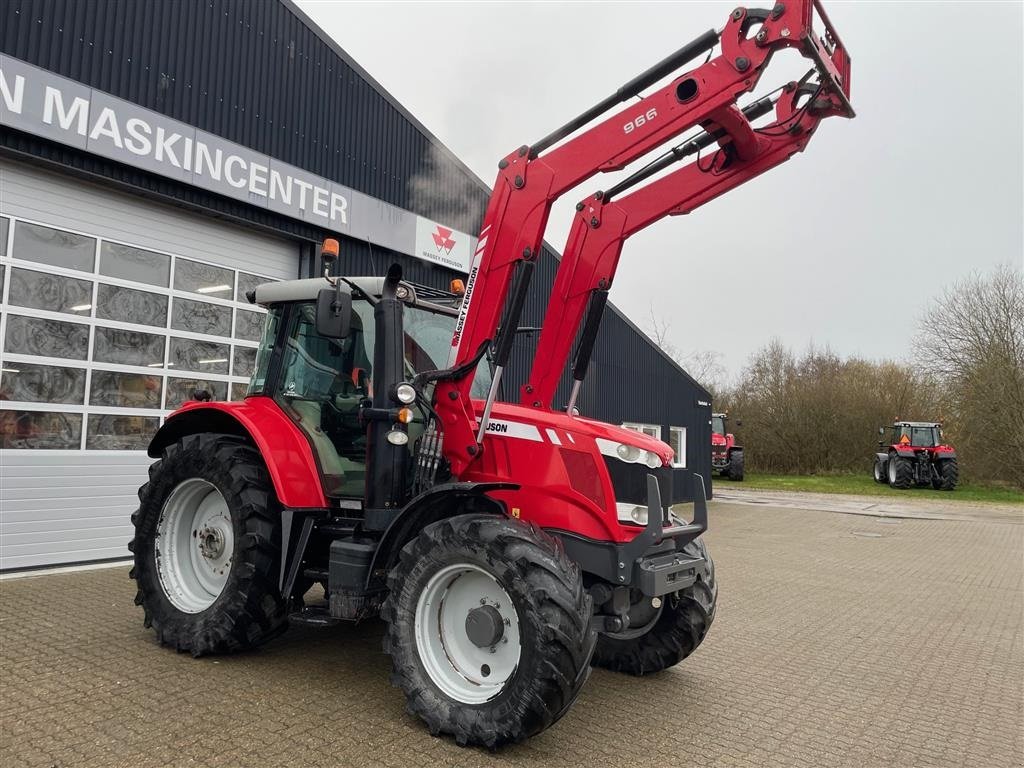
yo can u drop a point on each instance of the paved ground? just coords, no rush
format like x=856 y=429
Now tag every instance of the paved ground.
x=840 y=640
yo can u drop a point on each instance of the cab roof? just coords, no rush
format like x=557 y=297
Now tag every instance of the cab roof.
x=916 y=424
x=267 y=294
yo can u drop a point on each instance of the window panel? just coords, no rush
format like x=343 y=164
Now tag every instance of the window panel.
x=202 y=356
x=120 y=433
x=46 y=338
x=128 y=348
x=41 y=383
x=238 y=391
x=40 y=430
x=677 y=439
x=135 y=264
x=130 y=306
x=125 y=390
x=53 y=292
x=46 y=245
x=249 y=325
x=244 y=362
x=203 y=278
x=247 y=282
x=201 y=317
x=180 y=391
x=5 y=224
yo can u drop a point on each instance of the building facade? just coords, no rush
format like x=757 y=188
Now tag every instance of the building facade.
x=159 y=159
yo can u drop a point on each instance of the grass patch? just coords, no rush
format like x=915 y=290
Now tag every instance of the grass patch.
x=865 y=485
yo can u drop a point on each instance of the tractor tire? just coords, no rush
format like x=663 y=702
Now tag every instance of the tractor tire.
x=671 y=634
x=488 y=629
x=879 y=473
x=207 y=547
x=949 y=475
x=900 y=472
x=735 y=466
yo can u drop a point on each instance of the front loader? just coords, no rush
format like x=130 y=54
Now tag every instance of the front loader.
x=507 y=546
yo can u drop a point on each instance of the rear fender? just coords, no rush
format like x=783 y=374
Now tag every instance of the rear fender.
x=285 y=450
x=938 y=455
x=905 y=453
x=735 y=448
x=438 y=503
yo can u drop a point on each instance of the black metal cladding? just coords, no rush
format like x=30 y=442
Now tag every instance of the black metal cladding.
x=259 y=74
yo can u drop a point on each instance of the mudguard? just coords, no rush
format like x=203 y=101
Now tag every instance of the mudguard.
x=906 y=453
x=285 y=450
x=441 y=501
x=944 y=455
x=882 y=457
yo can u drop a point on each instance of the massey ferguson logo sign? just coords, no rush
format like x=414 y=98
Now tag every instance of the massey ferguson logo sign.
x=443 y=239
x=442 y=245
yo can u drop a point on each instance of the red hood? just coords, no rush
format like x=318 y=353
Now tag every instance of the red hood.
x=717 y=439
x=577 y=425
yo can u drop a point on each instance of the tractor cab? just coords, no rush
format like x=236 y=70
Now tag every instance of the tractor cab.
x=324 y=383
x=916 y=434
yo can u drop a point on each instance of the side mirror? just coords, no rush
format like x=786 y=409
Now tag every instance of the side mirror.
x=333 y=313
x=881 y=430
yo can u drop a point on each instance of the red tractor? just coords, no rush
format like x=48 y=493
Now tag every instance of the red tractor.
x=916 y=455
x=507 y=546
x=726 y=455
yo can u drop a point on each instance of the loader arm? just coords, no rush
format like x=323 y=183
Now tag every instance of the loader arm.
x=531 y=178
x=602 y=223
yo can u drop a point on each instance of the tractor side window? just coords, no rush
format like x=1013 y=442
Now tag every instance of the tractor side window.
x=259 y=376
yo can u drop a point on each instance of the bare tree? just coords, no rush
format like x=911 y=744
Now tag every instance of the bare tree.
x=972 y=340
x=705 y=366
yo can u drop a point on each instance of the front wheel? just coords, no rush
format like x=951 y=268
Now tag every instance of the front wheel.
x=880 y=472
x=488 y=629
x=665 y=635
x=207 y=547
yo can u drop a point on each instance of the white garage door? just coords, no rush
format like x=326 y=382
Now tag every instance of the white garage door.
x=113 y=311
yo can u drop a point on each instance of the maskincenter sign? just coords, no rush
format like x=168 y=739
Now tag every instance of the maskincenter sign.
x=44 y=104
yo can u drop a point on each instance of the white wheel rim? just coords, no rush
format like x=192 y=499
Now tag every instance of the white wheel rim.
x=194 y=545
x=892 y=471
x=878 y=472
x=463 y=671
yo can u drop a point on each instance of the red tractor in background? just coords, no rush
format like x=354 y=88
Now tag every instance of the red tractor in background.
x=726 y=455
x=916 y=455
x=506 y=545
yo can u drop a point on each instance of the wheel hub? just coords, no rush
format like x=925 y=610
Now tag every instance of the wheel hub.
x=485 y=626
x=211 y=543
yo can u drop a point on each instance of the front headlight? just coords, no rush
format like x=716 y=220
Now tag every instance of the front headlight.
x=631 y=513
x=630 y=454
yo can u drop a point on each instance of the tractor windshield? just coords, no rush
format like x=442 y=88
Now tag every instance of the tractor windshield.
x=921 y=437
x=718 y=425
x=322 y=382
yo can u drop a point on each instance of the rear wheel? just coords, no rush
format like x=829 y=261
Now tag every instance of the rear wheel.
x=207 y=543
x=948 y=475
x=900 y=471
x=667 y=634
x=488 y=629
x=735 y=471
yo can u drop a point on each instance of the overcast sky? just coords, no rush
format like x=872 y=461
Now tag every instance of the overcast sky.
x=844 y=245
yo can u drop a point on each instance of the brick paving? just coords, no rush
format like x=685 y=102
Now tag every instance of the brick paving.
x=841 y=640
